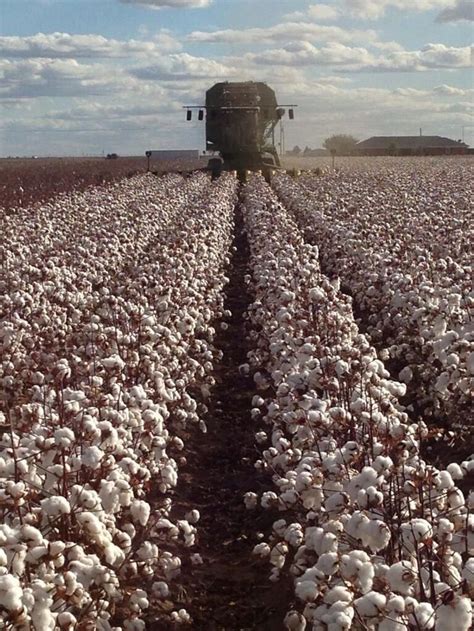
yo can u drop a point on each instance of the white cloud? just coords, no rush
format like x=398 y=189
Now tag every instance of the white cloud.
x=182 y=67
x=430 y=57
x=170 y=4
x=321 y=12
x=31 y=78
x=305 y=54
x=448 y=90
x=374 y=9
x=64 y=45
x=350 y=58
x=462 y=10
x=284 y=32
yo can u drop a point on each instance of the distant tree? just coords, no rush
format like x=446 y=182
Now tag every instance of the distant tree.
x=296 y=150
x=307 y=150
x=342 y=144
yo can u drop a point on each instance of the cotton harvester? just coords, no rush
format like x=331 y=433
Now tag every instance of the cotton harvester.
x=240 y=126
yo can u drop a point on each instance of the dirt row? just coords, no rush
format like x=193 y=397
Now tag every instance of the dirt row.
x=230 y=590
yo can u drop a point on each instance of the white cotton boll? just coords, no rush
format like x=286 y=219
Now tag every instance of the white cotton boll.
x=31 y=535
x=401 y=577
x=181 y=616
x=64 y=437
x=278 y=555
x=307 y=591
x=139 y=597
x=279 y=527
x=376 y=535
x=424 y=615
x=327 y=563
x=269 y=499
x=92 y=456
x=337 y=502
x=295 y=621
x=316 y=295
x=340 y=593
x=468 y=573
x=455 y=613
x=416 y=531
x=262 y=550
x=160 y=589
x=140 y=511
x=66 y=620
x=370 y=605
x=455 y=471
x=10 y=592
x=55 y=505
x=113 y=362
x=90 y=523
x=193 y=516
x=445 y=481
x=294 y=535
x=250 y=500
x=257 y=401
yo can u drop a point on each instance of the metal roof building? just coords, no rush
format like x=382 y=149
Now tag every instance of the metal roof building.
x=410 y=145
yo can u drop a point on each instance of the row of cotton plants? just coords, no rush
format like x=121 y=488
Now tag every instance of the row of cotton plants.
x=107 y=354
x=372 y=535
x=402 y=246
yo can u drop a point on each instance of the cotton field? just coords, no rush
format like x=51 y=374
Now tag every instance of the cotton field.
x=149 y=480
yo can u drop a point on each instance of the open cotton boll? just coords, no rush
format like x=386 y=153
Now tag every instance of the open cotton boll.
x=454 y=613
x=10 y=592
x=140 y=511
x=160 y=589
x=113 y=362
x=193 y=516
x=307 y=591
x=295 y=621
x=371 y=605
x=64 y=437
x=401 y=578
x=55 y=505
x=92 y=456
x=262 y=550
x=415 y=531
x=250 y=500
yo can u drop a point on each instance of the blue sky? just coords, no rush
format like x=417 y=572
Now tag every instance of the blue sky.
x=86 y=76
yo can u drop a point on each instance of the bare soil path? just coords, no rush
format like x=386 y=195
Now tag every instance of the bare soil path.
x=231 y=590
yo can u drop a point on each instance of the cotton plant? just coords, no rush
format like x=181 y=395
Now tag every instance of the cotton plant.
x=403 y=249
x=107 y=336
x=372 y=535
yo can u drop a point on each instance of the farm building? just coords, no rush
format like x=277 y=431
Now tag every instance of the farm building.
x=410 y=145
x=175 y=154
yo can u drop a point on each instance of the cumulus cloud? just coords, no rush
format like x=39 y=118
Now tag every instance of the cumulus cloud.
x=352 y=58
x=283 y=33
x=430 y=57
x=182 y=66
x=462 y=10
x=31 y=78
x=170 y=4
x=320 y=12
x=305 y=54
x=64 y=45
x=375 y=9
